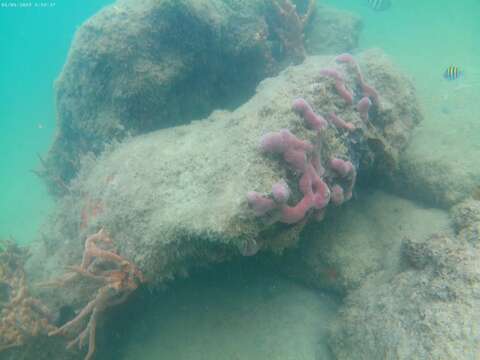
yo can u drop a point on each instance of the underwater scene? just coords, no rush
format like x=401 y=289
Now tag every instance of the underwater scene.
x=239 y=180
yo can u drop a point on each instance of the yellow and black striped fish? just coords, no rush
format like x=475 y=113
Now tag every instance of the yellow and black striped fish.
x=453 y=73
x=379 y=4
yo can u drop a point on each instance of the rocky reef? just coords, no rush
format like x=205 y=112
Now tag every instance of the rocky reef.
x=360 y=240
x=177 y=198
x=198 y=132
x=428 y=309
x=138 y=67
x=179 y=191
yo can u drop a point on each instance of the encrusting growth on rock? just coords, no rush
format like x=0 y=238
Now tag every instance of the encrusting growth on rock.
x=118 y=278
x=22 y=317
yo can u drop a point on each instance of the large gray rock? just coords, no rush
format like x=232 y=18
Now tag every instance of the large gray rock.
x=138 y=66
x=176 y=198
x=332 y=31
x=440 y=167
x=428 y=310
x=436 y=181
x=360 y=240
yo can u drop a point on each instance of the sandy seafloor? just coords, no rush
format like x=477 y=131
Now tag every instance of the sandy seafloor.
x=237 y=315
x=230 y=312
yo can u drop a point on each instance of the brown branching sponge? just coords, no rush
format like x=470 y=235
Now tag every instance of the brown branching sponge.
x=117 y=279
x=291 y=27
x=22 y=317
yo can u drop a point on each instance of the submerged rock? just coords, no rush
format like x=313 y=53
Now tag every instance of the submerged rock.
x=333 y=31
x=361 y=240
x=427 y=310
x=434 y=181
x=177 y=197
x=137 y=66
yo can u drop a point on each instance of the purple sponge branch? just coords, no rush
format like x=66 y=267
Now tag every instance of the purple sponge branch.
x=367 y=90
x=262 y=204
x=340 y=123
x=345 y=170
x=293 y=149
x=339 y=84
x=259 y=203
x=316 y=195
x=344 y=92
x=371 y=93
x=337 y=195
x=314 y=121
x=280 y=192
x=341 y=167
x=347 y=58
x=300 y=155
x=332 y=73
x=363 y=106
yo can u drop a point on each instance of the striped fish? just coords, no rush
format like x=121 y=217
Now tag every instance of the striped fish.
x=453 y=73
x=379 y=5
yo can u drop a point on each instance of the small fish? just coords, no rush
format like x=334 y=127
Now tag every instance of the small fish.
x=453 y=73
x=379 y=5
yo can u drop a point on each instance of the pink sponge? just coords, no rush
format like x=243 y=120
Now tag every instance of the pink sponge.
x=341 y=167
x=347 y=58
x=340 y=123
x=260 y=203
x=363 y=106
x=316 y=195
x=339 y=84
x=367 y=90
x=293 y=214
x=347 y=173
x=331 y=73
x=293 y=149
x=280 y=192
x=316 y=122
x=300 y=155
x=337 y=195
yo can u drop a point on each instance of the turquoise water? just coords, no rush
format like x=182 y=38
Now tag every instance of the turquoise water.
x=34 y=43
x=422 y=37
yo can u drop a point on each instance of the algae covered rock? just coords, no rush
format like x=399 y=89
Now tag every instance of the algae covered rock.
x=360 y=240
x=332 y=31
x=435 y=181
x=139 y=66
x=176 y=198
x=428 y=310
